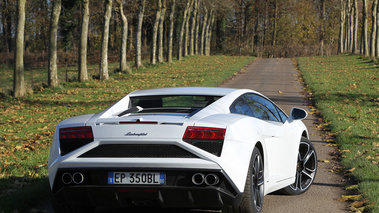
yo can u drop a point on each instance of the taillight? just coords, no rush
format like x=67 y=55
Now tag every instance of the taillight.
x=83 y=132
x=74 y=137
x=206 y=133
x=206 y=138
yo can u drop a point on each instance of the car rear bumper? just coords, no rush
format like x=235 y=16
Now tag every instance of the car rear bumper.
x=178 y=192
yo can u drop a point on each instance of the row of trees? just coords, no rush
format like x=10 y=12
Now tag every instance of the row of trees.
x=99 y=31
x=350 y=24
x=200 y=45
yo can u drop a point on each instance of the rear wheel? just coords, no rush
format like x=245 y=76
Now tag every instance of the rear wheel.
x=253 y=195
x=306 y=168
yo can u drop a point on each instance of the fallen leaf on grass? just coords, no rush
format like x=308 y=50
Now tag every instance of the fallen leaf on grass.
x=352 y=187
x=345 y=198
x=358 y=206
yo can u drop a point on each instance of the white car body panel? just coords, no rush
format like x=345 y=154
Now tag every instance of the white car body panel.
x=279 y=141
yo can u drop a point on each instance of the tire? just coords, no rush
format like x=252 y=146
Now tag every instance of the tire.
x=306 y=168
x=252 y=200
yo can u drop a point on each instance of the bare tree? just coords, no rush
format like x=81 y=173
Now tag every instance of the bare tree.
x=160 y=35
x=187 y=33
x=322 y=27
x=197 y=28
x=373 y=28
x=83 y=75
x=342 y=29
x=171 y=31
x=141 y=9
x=18 y=76
x=155 y=33
x=193 y=26
x=208 y=33
x=348 y=34
x=182 y=28
x=276 y=22
x=124 y=38
x=355 y=33
x=203 y=30
x=364 y=45
x=52 y=67
x=104 y=75
x=377 y=33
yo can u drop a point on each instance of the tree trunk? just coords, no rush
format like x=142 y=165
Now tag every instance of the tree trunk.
x=342 y=25
x=193 y=24
x=373 y=28
x=124 y=39
x=153 y=53
x=182 y=28
x=83 y=75
x=351 y=25
x=104 y=75
x=160 y=35
x=276 y=23
x=377 y=33
x=203 y=30
x=187 y=32
x=171 y=31
x=141 y=9
x=365 y=51
x=18 y=76
x=131 y=33
x=347 y=27
x=197 y=29
x=52 y=67
x=355 y=30
x=209 y=33
x=322 y=30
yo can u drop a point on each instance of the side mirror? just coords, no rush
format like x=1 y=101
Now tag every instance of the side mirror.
x=298 y=114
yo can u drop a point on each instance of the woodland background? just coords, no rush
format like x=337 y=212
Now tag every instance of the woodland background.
x=60 y=32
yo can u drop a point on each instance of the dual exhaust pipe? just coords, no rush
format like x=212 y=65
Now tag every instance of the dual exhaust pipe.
x=197 y=179
x=209 y=179
x=68 y=178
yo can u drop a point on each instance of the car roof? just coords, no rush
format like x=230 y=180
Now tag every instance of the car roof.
x=212 y=91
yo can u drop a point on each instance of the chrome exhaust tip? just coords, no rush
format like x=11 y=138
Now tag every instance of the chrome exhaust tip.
x=198 y=179
x=78 y=178
x=211 y=179
x=66 y=178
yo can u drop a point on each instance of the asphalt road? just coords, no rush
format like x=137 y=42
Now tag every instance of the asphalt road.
x=278 y=80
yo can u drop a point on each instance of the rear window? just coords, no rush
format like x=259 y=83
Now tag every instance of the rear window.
x=189 y=101
x=171 y=103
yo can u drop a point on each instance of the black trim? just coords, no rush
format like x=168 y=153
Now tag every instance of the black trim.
x=179 y=191
x=137 y=151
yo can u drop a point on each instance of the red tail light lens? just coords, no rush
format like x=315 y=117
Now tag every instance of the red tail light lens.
x=206 y=133
x=83 y=132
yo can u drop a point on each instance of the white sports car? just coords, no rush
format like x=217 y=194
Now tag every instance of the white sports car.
x=189 y=147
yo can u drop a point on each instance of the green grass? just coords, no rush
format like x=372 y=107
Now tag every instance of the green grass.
x=28 y=123
x=346 y=92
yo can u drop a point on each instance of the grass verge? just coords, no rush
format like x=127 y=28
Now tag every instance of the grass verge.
x=346 y=92
x=28 y=123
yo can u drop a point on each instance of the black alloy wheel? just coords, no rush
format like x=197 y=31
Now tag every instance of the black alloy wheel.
x=306 y=168
x=252 y=201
